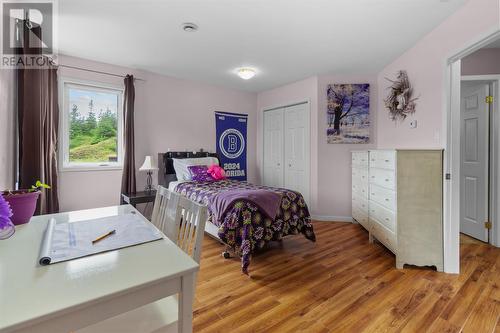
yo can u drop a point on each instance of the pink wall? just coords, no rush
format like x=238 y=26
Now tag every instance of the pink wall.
x=169 y=113
x=482 y=62
x=334 y=160
x=179 y=115
x=425 y=64
x=7 y=107
x=330 y=163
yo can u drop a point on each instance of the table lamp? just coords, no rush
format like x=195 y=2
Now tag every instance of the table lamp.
x=149 y=168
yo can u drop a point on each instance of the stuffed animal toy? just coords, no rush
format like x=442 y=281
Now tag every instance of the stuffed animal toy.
x=216 y=172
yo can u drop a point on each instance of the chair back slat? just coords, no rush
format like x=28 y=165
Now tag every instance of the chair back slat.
x=194 y=217
x=181 y=220
x=159 y=216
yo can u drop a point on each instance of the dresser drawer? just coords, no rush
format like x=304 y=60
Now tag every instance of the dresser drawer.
x=360 y=174
x=383 y=177
x=383 y=215
x=385 y=159
x=360 y=203
x=360 y=188
x=360 y=158
x=361 y=217
x=383 y=196
x=384 y=235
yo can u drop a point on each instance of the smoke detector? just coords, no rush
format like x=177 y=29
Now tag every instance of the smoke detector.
x=189 y=27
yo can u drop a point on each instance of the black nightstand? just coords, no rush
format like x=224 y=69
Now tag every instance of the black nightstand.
x=138 y=197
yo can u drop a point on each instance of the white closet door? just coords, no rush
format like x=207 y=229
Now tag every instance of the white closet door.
x=273 y=148
x=297 y=149
x=474 y=168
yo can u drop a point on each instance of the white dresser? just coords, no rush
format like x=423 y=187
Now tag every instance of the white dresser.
x=360 y=188
x=404 y=203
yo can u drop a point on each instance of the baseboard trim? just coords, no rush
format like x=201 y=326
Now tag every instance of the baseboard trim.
x=324 y=218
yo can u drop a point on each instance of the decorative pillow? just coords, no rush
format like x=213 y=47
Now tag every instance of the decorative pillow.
x=199 y=173
x=216 y=172
x=181 y=165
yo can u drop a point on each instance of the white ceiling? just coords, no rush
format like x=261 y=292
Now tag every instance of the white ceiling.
x=286 y=40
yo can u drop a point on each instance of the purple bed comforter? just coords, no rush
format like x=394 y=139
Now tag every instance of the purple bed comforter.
x=244 y=226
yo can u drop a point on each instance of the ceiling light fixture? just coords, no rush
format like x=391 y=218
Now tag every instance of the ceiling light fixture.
x=189 y=27
x=246 y=73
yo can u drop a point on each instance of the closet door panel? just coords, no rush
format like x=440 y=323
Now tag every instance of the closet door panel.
x=297 y=149
x=273 y=148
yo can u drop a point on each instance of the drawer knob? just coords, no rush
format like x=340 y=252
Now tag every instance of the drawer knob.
x=387 y=219
x=387 y=161
x=386 y=199
x=387 y=180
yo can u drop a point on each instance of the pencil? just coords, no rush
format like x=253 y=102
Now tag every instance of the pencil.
x=103 y=236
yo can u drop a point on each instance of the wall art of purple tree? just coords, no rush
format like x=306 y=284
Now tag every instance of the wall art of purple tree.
x=348 y=113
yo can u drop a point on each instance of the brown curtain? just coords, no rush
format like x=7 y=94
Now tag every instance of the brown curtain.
x=38 y=120
x=128 y=176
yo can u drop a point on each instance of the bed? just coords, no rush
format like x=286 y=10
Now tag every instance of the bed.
x=244 y=228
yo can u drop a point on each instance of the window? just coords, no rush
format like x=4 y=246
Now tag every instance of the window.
x=91 y=136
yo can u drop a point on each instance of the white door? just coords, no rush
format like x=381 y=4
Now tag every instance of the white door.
x=474 y=143
x=297 y=149
x=273 y=148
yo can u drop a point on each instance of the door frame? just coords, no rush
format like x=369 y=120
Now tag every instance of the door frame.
x=451 y=166
x=262 y=135
x=493 y=151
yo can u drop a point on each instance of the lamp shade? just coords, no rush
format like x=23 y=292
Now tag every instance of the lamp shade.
x=147 y=165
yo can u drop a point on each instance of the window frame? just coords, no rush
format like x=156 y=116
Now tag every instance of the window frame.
x=65 y=165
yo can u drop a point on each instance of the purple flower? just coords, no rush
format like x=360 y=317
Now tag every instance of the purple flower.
x=6 y=226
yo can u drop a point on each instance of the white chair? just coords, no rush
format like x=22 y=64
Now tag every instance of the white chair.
x=183 y=221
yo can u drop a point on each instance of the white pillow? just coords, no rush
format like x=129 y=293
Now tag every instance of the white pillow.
x=181 y=165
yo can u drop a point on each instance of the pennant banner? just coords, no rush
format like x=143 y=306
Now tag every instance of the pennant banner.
x=231 y=132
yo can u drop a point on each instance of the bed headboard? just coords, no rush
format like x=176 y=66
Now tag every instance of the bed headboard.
x=166 y=172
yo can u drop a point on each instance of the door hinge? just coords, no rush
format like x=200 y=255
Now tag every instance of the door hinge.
x=489 y=99
x=487 y=225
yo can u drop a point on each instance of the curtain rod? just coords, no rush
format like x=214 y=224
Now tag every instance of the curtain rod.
x=98 y=72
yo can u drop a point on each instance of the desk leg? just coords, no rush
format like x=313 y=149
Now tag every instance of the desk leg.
x=185 y=324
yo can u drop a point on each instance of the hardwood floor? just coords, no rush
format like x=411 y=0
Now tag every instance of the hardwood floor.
x=343 y=284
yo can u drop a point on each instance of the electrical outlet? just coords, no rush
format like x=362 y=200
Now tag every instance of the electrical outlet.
x=413 y=124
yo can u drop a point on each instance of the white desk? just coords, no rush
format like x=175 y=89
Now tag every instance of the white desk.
x=67 y=296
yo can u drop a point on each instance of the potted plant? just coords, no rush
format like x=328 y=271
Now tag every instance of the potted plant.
x=23 y=202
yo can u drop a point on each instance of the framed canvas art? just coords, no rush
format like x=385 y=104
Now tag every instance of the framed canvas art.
x=348 y=113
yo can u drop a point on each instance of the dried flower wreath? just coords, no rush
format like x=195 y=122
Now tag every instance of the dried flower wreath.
x=400 y=102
